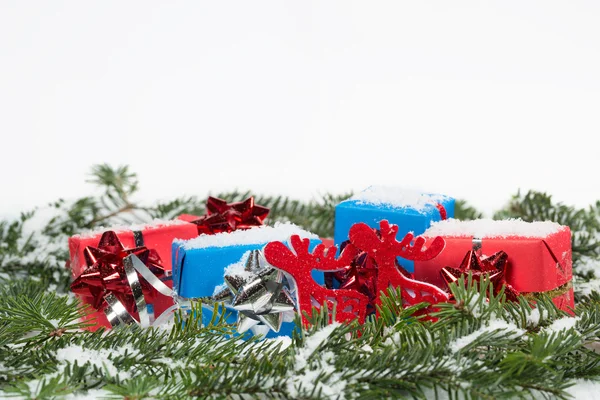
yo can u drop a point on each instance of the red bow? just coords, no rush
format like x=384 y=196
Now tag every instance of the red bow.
x=227 y=217
x=493 y=266
x=105 y=272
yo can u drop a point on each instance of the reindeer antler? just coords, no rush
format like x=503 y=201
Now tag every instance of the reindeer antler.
x=366 y=239
x=279 y=255
x=322 y=258
x=352 y=305
x=384 y=248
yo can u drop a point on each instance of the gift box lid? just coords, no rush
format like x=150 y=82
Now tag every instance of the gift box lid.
x=257 y=235
x=154 y=224
x=390 y=197
x=489 y=228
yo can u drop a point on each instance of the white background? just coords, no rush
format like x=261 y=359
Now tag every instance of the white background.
x=472 y=99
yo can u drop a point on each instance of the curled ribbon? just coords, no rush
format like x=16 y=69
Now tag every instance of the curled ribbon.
x=113 y=275
x=116 y=312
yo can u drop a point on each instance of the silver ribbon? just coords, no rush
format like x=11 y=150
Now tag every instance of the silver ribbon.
x=138 y=238
x=476 y=243
x=116 y=312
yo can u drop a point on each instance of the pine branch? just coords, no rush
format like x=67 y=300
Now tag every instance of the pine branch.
x=481 y=346
x=465 y=212
x=584 y=223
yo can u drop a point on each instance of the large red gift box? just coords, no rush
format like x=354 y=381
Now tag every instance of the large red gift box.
x=539 y=254
x=158 y=236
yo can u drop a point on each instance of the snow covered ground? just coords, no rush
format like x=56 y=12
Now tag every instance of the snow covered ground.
x=300 y=97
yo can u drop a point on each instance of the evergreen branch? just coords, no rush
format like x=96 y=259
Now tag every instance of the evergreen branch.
x=481 y=346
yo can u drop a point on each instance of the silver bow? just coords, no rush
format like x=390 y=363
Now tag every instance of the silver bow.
x=117 y=314
x=259 y=295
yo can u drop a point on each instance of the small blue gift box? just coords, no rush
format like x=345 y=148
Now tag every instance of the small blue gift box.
x=411 y=211
x=199 y=264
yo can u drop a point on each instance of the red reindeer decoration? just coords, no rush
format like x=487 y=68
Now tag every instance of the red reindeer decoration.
x=385 y=248
x=350 y=304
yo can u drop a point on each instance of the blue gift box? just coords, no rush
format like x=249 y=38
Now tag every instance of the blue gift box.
x=411 y=211
x=199 y=264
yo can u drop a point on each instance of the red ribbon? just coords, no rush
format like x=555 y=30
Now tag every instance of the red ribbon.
x=442 y=210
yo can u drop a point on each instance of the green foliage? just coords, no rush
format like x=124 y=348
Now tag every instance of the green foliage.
x=464 y=211
x=480 y=347
x=584 y=222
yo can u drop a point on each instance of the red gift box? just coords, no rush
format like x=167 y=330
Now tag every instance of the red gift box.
x=539 y=254
x=157 y=236
x=188 y=217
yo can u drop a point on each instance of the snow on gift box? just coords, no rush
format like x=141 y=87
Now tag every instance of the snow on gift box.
x=98 y=269
x=537 y=255
x=229 y=267
x=411 y=211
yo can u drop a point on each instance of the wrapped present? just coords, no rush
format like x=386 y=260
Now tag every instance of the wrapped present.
x=530 y=258
x=157 y=235
x=411 y=211
x=202 y=265
x=228 y=217
x=124 y=285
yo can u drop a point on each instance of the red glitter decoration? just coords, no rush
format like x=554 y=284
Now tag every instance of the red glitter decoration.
x=105 y=272
x=350 y=305
x=360 y=275
x=493 y=267
x=383 y=248
x=228 y=217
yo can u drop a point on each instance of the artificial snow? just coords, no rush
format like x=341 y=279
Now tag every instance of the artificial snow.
x=586 y=288
x=154 y=224
x=584 y=390
x=312 y=342
x=239 y=268
x=501 y=326
x=562 y=324
x=98 y=358
x=91 y=394
x=256 y=235
x=398 y=197
x=587 y=265
x=489 y=228
x=305 y=380
x=284 y=341
x=475 y=304
x=534 y=316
